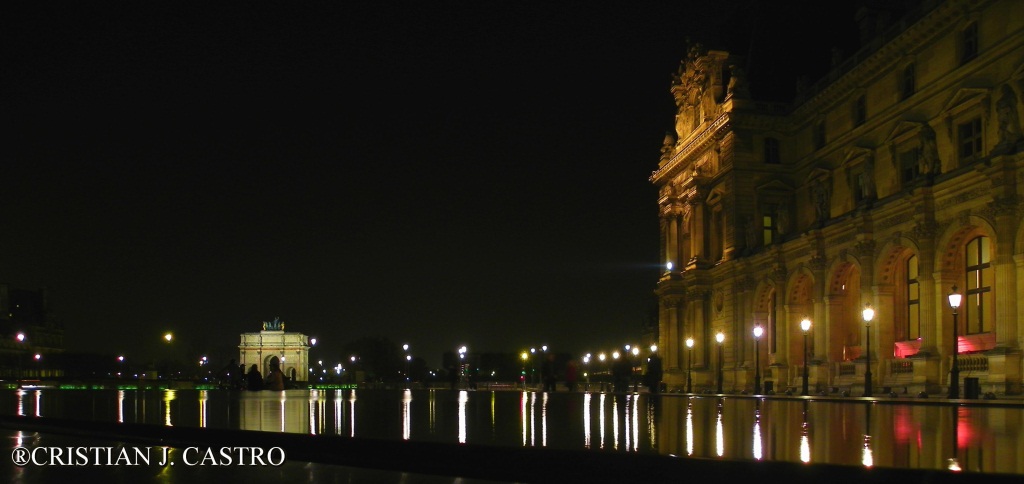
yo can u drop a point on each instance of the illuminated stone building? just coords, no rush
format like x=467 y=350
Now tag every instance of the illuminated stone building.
x=895 y=178
x=272 y=343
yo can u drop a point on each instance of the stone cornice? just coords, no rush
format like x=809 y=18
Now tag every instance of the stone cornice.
x=930 y=24
x=696 y=143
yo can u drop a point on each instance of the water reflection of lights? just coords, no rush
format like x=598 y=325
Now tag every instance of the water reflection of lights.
x=120 y=406
x=601 y=422
x=615 y=423
x=313 y=411
x=866 y=458
x=523 y=407
x=339 y=395
x=758 y=450
x=636 y=421
x=652 y=429
x=628 y=423
x=284 y=397
x=406 y=421
x=203 y=395
x=533 y=420
x=39 y=402
x=169 y=396
x=719 y=431
x=321 y=403
x=586 y=420
x=805 y=439
x=463 y=398
x=805 y=444
x=431 y=410
x=544 y=420
x=21 y=402
x=689 y=427
x=352 y=412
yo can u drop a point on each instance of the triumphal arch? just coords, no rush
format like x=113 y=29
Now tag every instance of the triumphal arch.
x=273 y=344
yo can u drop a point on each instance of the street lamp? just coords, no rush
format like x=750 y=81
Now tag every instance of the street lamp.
x=758 y=331
x=805 y=325
x=869 y=314
x=689 y=364
x=525 y=356
x=954 y=372
x=720 y=338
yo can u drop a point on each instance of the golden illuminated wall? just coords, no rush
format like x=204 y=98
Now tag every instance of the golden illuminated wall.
x=290 y=349
x=896 y=178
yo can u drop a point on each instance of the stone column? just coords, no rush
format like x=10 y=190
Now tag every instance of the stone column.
x=1005 y=287
x=671 y=222
x=822 y=330
x=698 y=328
x=670 y=335
x=698 y=233
x=930 y=300
x=782 y=325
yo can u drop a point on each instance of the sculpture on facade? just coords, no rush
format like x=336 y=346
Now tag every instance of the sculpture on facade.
x=867 y=185
x=275 y=325
x=738 y=82
x=821 y=194
x=928 y=163
x=782 y=219
x=1010 y=139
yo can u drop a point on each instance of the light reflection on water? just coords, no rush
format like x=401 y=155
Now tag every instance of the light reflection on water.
x=905 y=435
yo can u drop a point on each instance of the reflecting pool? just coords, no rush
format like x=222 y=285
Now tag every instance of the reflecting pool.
x=984 y=437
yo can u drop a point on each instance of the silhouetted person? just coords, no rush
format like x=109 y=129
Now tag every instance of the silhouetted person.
x=239 y=382
x=275 y=378
x=653 y=376
x=225 y=376
x=621 y=372
x=547 y=371
x=254 y=379
x=571 y=372
x=453 y=375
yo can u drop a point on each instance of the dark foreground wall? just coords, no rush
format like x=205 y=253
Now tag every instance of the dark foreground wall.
x=513 y=464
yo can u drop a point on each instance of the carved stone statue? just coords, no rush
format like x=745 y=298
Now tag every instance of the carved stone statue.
x=867 y=185
x=738 y=82
x=782 y=219
x=750 y=231
x=1009 y=122
x=928 y=163
x=821 y=195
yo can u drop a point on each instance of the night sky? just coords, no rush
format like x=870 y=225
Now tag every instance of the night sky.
x=437 y=173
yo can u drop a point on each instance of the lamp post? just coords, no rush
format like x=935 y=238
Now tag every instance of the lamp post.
x=805 y=325
x=633 y=364
x=720 y=337
x=689 y=363
x=868 y=314
x=954 y=372
x=524 y=356
x=408 y=359
x=758 y=331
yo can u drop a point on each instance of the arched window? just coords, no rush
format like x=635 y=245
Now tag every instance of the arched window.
x=978 y=306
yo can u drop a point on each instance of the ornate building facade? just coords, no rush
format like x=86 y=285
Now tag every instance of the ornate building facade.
x=894 y=180
x=290 y=351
